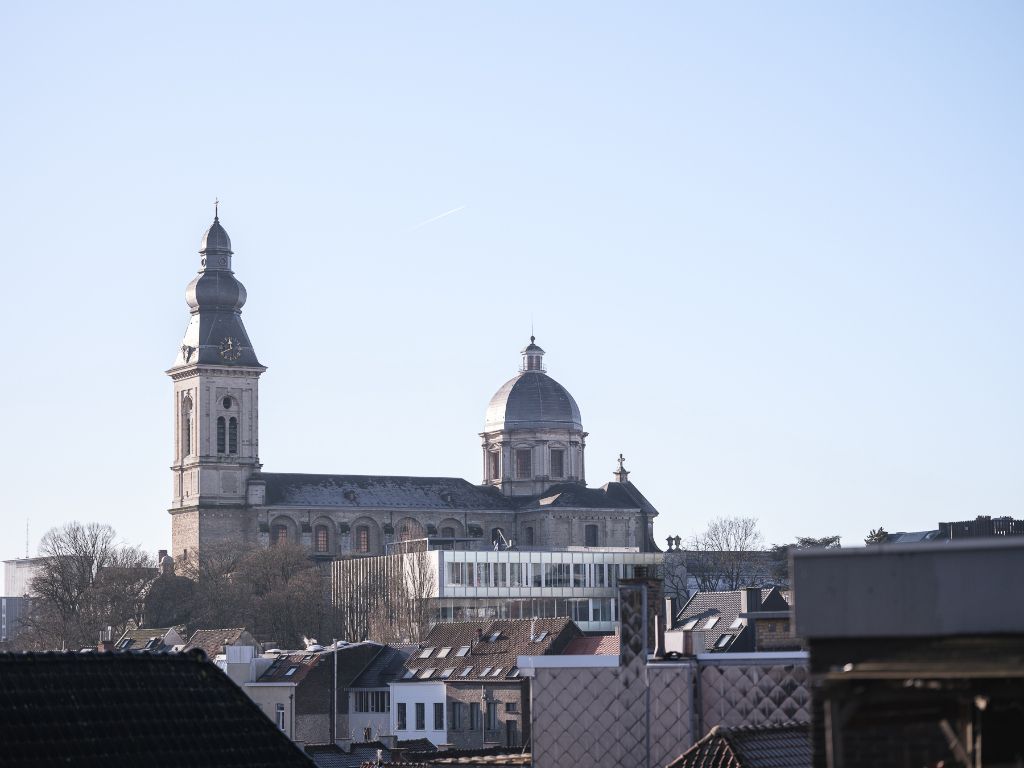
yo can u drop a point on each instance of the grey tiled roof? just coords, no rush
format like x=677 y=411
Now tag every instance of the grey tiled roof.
x=726 y=606
x=386 y=667
x=512 y=640
x=212 y=641
x=750 y=746
x=386 y=491
x=104 y=709
x=532 y=399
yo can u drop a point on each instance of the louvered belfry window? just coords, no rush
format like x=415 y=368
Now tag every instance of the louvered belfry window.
x=221 y=434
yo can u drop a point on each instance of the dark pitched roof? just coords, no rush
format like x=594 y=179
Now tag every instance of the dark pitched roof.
x=148 y=639
x=511 y=639
x=352 y=660
x=333 y=756
x=375 y=491
x=726 y=608
x=750 y=746
x=100 y=709
x=212 y=641
x=386 y=666
x=610 y=496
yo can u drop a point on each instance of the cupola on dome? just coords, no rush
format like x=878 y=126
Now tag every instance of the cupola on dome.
x=532 y=399
x=215 y=239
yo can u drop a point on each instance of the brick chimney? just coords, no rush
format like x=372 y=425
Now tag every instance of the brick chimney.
x=750 y=600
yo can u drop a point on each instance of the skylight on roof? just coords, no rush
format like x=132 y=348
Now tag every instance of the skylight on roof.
x=541 y=636
x=486 y=672
x=496 y=673
x=465 y=672
x=428 y=672
x=494 y=637
x=446 y=673
x=463 y=650
x=290 y=672
x=737 y=623
x=409 y=674
x=443 y=652
x=425 y=653
x=690 y=624
x=711 y=622
x=723 y=641
x=514 y=672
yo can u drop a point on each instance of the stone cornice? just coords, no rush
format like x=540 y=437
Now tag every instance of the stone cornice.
x=191 y=371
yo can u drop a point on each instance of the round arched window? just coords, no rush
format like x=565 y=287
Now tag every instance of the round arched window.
x=226 y=402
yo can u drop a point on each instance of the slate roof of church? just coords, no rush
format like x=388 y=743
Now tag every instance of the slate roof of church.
x=101 y=709
x=388 y=491
x=750 y=746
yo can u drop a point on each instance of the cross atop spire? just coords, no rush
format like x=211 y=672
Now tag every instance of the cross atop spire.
x=216 y=209
x=621 y=474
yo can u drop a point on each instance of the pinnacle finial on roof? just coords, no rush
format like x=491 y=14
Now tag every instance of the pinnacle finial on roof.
x=621 y=474
x=216 y=209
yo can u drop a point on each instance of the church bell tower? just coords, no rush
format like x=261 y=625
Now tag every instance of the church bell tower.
x=216 y=428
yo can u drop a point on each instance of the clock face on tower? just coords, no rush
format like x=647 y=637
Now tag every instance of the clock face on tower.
x=230 y=349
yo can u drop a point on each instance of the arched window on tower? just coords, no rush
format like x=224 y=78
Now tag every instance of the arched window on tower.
x=186 y=426
x=222 y=429
x=232 y=435
x=362 y=538
x=278 y=534
x=494 y=465
x=321 y=537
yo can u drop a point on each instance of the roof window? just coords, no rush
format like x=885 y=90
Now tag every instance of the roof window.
x=409 y=674
x=514 y=672
x=290 y=672
x=541 y=636
x=465 y=672
x=428 y=672
x=425 y=653
x=494 y=637
x=737 y=623
x=486 y=672
x=443 y=652
x=723 y=641
x=446 y=673
x=690 y=624
x=711 y=622
x=463 y=650
x=496 y=673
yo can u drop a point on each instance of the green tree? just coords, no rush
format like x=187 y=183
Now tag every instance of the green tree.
x=876 y=536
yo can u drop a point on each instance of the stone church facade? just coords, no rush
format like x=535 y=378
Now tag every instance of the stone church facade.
x=533 y=493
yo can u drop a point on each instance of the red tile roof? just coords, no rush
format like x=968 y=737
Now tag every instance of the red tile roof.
x=594 y=645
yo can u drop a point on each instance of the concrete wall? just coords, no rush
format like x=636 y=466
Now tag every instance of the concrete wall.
x=910 y=590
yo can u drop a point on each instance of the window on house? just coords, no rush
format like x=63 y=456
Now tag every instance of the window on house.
x=486 y=672
x=291 y=671
x=232 y=435
x=321 y=538
x=590 y=535
x=557 y=463
x=428 y=673
x=737 y=623
x=723 y=641
x=463 y=650
x=541 y=636
x=454 y=716
x=425 y=653
x=511 y=706
x=523 y=465
x=711 y=622
x=222 y=430
x=579 y=575
x=466 y=672
x=362 y=538
x=446 y=673
x=494 y=463
x=372 y=701
x=443 y=652
x=400 y=717
x=278 y=534
x=438 y=716
x=690 y=624
x=492 y=715
x=497 y=672
x=279 y=713
x=474 y=716
x=421 y=716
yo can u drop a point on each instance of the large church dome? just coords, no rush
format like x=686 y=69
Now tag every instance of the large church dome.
x=532 y=400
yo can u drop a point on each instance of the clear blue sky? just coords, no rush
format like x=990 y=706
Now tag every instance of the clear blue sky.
x=774 y=250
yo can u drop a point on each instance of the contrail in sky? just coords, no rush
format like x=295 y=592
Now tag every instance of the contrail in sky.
x=436 y=218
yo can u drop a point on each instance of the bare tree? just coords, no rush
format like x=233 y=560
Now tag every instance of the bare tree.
x=87 y=581
x=728 y=555
x=675 y=575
